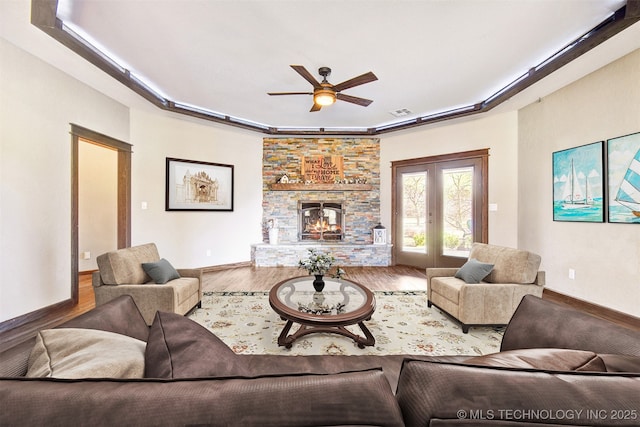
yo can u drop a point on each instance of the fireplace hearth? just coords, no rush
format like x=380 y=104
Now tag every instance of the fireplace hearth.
x=320 y=221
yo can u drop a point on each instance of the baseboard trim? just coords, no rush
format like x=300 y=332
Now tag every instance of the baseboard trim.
x=86 y=272
x=618 y=317
x=21 y=328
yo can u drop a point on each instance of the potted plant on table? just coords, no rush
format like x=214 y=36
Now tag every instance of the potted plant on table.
x=320 y=264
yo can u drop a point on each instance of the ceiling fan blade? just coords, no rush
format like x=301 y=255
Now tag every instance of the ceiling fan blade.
x=289 y=93
x=356 y=81
x=354 y=99
x=306 y=75
x=316 y=107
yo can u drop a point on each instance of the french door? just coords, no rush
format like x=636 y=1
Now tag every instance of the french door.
x=440 y=208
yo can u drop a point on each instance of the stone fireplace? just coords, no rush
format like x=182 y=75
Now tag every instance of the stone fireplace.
x=322 y=193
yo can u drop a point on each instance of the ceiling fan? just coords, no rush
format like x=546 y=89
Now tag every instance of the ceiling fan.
x=324 y=93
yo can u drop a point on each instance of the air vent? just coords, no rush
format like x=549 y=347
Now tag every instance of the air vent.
x=400 y=112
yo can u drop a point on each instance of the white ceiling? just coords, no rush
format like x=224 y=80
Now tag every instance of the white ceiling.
x=429 y=56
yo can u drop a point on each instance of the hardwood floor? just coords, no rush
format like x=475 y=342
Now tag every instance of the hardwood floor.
x=247 y=278
x=397 y=278
x=241 y=278
x=401 y=278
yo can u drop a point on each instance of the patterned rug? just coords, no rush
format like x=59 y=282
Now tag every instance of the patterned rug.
x=401 y=324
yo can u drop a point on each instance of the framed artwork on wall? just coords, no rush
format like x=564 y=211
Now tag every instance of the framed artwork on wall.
x=578 y=184
x=623 y=170
x=198 y=186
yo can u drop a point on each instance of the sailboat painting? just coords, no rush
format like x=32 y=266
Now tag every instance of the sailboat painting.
x=578 y=184
x=623 y=155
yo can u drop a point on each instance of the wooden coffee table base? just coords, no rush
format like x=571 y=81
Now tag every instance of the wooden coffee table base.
x=287 y=340
x=343 y=303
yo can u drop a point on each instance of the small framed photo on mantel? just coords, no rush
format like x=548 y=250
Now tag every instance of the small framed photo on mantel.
x=198 y=186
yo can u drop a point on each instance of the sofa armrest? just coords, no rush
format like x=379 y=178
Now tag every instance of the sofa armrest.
x=438 y=272
x=441 y=272
x=541 y=279
x=195 y=273
x=190 y=272
x=96 y=279
x=539 y=323
x=492 y=303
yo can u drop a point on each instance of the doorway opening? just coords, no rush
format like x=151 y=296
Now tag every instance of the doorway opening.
x=122 y=198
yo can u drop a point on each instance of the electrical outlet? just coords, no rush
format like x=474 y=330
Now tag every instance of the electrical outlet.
x=208 y=252
x=572 y=274
x=86 y=255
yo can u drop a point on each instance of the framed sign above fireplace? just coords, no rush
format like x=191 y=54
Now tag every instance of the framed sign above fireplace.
x=321 y=169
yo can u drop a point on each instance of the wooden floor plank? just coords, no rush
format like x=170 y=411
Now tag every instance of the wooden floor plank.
x=397 y=278
x=249 y=278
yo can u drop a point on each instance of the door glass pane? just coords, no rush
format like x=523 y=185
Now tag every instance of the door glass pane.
x=457 y=205
x=414 y=206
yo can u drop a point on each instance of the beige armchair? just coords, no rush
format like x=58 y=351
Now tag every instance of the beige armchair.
x=494 y=299
x=121 y=273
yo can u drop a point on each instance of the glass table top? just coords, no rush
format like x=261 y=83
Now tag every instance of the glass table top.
x=339 y=296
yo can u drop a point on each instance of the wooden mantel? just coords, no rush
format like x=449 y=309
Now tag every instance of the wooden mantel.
x=320 y=187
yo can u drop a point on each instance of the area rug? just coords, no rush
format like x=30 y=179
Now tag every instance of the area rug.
x=401 y=324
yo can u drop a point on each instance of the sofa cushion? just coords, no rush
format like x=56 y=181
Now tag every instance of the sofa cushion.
x=124 y=266
x=509 y=265
x=431 y=393
x=160 y=271
x=473 y=271
x=86 y=353
x=552 y=359
x=178 y=347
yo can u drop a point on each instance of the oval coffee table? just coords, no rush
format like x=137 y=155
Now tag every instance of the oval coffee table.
x=341 y=303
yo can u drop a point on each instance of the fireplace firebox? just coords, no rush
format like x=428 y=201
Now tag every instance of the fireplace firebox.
x=320 y=221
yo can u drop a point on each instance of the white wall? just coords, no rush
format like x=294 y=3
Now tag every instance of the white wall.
x=97 y=202
x=184 y=238
x=497 y=132
x=606 y=257
x=37 y=103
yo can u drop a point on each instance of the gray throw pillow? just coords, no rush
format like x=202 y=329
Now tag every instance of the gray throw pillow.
x=473 y=271
x=160 y=272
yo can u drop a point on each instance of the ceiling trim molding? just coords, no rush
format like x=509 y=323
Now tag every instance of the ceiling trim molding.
x=44 y=17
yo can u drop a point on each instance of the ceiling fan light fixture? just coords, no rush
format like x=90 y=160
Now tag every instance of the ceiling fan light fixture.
x=324 y=97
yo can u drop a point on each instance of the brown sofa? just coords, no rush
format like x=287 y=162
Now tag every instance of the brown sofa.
x=494 y=299
x=120 y=272
x=541 y=376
